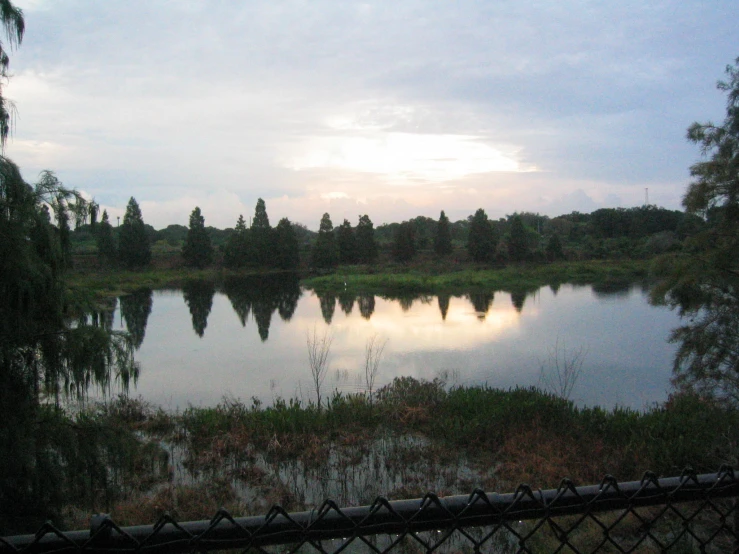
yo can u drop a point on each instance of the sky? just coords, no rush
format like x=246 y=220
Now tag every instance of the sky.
x=390 y=109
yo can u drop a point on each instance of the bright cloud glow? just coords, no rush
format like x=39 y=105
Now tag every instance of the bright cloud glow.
x=404 y=157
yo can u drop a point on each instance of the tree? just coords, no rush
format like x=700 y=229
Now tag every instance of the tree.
x=404 y=242
x=105 y=242
x=481 y=240
x=197 y=251
x=365 y=239
x=325 y=254
x=286 y=247
x=261 y=235
x=702 y=280
x=443 y=237
x=347 y=243
x=518 y=244
x=239 y=251
x=554 y=248
x=134 y=250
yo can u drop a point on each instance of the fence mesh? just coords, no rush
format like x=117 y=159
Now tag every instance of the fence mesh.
x=690 y=513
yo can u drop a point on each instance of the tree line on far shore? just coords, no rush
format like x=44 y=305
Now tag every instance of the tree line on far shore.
x=639 y=232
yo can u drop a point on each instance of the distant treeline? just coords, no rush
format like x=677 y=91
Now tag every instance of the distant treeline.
x=608 y=233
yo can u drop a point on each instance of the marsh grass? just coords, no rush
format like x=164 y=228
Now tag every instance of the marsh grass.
x=414 y=437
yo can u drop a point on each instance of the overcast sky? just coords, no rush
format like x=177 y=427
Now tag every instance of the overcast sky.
x=393 y=109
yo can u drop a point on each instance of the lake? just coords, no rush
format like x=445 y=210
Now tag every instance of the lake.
x=247 y=338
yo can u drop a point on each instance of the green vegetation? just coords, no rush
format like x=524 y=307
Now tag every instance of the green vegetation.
x=197 y=251
x=134 y=249
x=409 y=437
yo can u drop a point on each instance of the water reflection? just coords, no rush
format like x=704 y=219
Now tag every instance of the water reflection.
x=480 y=337
x=135 y=311
x=198 y=296
x=261 y=296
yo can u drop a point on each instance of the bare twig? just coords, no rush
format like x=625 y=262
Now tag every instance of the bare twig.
x=319 y=348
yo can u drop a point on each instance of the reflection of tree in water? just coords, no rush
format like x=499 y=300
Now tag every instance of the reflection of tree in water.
x=104 y=316
x=328 y=306
x=443 y=305
x=554 y=287
x=198 y=296
x=346 y=301
x=518 y=297
x=261 y=296
x=482 y=301
x=406 y=302
x=612 y=289
x=135 y=310
x=366 y=304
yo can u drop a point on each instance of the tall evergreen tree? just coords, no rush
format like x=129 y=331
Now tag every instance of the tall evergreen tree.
x=325 y=253
x=365 y=241
x=347 y=243
x=554 y=248
x=239 y=251
x=443 y=237
x=404 y=242
x=198 y=250
x=518 y=244
x=286 y=248
x=105 y=241
x=261 y=235
x=134 y=250
x=481 y=240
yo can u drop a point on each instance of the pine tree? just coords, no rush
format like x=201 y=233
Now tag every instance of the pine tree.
x=239 y=251
x=105 y=241
x=554 y=248
x=404 y=242
x=518 y=245
x=261 y=235
x=325 y=253
x=365 y=241
x=134 y=250
x=198 y=250
x=482 y=240
x=347 y=243
x=443 y=237
x=287 y=249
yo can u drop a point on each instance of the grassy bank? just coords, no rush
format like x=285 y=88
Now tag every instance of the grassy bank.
x=363 y=279
x=410 y=438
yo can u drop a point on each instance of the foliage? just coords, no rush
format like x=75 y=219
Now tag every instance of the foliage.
x=287 y=250
x=325 y=254
x=105 y=241
x=443 y=237
x=365 y=240
x=239 y=251
x=518 y=244
x=481 y=240
x=198 y=250
x=347 y=243
x=554 y=248
x=404 y=242
x=702 y=280
x=261 y=235
x=134 y=249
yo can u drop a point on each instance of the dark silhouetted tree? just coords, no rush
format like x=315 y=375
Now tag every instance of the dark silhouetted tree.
x=482 y=301
x=443 y=237
x=197 y=250
x=443 y=305
x=366 y=303
x=239 y=251
x=366 y=243
x=325 y=254
x=404 y=242
x=286 y=248
x=482 y=241
x=518 y=244
x=107 y=252
x=327 y=302
x=134 y=250
x=554 y=248
x=261 y=235
x=347 y=243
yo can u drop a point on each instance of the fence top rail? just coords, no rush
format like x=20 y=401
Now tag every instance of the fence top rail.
x=329 y=521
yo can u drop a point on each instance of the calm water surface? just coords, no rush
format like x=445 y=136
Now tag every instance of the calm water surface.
x=243 y=340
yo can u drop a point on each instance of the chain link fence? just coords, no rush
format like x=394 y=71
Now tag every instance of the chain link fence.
x=690 y=513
